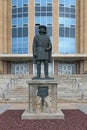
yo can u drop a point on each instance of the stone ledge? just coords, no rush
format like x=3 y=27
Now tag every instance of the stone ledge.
x=31 y=82
x=58 y=115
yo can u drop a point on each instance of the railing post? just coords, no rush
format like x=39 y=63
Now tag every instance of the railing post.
x=3 y=95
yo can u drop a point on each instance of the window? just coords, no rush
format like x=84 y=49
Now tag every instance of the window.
x=43 y=14
x=67 y=22
x=61 y=32
x=19 y=26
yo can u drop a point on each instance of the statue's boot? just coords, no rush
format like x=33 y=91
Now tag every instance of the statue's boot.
x=46 y=69
x=38 y=69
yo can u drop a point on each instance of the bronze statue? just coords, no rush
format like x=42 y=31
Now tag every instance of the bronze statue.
x=42 y=49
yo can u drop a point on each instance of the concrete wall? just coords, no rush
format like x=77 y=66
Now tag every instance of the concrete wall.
x=55 y=26
x=5 y=26
x=31 y=24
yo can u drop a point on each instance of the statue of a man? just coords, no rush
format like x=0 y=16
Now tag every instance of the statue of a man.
x=42 y=49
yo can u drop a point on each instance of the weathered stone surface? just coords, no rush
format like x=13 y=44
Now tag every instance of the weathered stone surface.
x=46 y=110
x=58 y=115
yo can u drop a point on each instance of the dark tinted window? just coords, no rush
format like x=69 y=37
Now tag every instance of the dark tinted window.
x=43 y=8
x=37 y=14
x=67 y=10
x=19 y=32
x=66 y=32
x=25 y=9
x=61 y=14
x=19 y=10
x=14 y=32
x=61 y=9
x=25 y=31
x=72 y=32
x=72 y=10
x=19 y=15
x=49 y=8
x=14 y=15
x=49 y=14
x=37 y=8
x=25 y=14
x=43 y=14
x=61 y=31
x=49 y=29
x=14 y=10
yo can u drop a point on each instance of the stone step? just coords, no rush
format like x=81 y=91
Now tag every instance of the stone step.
x=2 y=86
x=16 y=95
x=18 y=90
x=17 y=100
x=70 y=94
x=24 y=82
x=22 y=85
x=73 y=89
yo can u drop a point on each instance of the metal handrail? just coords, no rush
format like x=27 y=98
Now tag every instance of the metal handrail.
x=76 y=83
x=10 y=85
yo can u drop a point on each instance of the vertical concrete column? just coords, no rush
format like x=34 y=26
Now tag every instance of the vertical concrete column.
x=55 y=26
x=31 y=16
x=77 y=67
x=1 y=26
x=9 y=68
x=5 y=26
x=1 y=67
x=5 y=11
x=30 y=67
x=1 y=34
x=9 y=31
x=81 y=67
x=85 y=66
x=5 y=67
x=85 y=26
x=77 y=26
x=55 y=67
x=81 y=26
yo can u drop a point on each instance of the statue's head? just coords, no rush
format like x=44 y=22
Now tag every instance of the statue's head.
x=42 y=29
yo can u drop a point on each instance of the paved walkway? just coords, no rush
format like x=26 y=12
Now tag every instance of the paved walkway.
x=82 y=107
x=20 y=106
x=4 y=107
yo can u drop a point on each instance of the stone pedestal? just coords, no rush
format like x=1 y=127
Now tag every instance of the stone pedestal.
x=42 y=100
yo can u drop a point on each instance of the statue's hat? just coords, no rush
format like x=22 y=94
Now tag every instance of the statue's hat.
x=42 y=28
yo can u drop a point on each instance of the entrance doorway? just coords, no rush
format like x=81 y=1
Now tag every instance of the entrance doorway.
x=66 y=68
x=20 y=68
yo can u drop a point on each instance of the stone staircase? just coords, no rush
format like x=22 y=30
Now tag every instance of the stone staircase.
x=19 y=93
x=70 y=89
x=4 y=82
x=73 y=89
x=66 y=93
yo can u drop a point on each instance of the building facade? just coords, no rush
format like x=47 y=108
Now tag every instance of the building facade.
x=66 y=23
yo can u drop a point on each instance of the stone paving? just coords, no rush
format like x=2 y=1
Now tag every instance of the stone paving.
x=82 y=107
x=4 y=107
x=21 y=106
